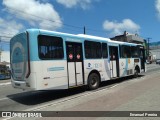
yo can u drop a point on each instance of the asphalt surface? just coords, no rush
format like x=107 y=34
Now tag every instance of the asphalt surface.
x=127 y=94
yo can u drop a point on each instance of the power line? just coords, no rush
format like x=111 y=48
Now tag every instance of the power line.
x=66 y=25
x=6 y=36
x=6 y=33
x=43 y=18
x=100 y=31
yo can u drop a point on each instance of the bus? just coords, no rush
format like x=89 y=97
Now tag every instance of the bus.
x=43 y=60
x=4 y=72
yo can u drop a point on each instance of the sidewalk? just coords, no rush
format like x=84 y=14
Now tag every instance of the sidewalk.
x=132 y=95
x=5 y=81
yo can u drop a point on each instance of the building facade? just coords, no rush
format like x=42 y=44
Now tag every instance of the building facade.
x=155 y=49
x=126 y=37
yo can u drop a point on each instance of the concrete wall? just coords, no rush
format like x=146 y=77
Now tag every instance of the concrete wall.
x=156 y=52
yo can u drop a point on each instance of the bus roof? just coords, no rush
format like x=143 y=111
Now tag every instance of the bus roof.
x=93 y=37
x=82 y=36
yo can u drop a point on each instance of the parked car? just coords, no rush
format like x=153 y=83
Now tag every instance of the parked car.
x=158 y=61
x=148 y=62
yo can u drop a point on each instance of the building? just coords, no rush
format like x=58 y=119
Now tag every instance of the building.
x=4 y=57
x=155 y=49
x=126 y=37
x=134 y=38
x=4 y=65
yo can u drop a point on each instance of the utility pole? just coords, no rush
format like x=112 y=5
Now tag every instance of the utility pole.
x=0 y=49
x=148 y=48
x=84 y=30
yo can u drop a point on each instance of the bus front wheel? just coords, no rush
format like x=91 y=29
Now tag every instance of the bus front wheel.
x=93 y=81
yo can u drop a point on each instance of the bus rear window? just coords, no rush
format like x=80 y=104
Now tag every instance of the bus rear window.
x=50 y=47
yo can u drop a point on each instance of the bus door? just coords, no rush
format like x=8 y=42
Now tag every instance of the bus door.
x=114 y=61
x=75 y=64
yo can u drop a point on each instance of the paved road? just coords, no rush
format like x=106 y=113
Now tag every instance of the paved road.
x=142 y=94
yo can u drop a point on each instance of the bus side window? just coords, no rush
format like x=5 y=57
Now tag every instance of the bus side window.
x=50 y=47
x=93 y=50
x=134 y=50
x=41 y=55
x=104 y=50
x=126 y=51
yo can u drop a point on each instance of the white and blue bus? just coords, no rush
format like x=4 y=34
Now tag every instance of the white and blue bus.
x=42 y=60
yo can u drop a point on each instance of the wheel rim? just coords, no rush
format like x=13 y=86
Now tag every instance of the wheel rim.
x=94 y=81
x=136 y=73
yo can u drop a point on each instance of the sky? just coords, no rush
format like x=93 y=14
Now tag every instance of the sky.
x=104 y=18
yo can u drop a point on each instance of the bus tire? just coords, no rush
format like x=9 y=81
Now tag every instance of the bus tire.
x=135 y=73
x=93 y=81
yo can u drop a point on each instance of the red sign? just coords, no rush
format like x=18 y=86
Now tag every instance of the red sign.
x=78 y=56
x=70 y=56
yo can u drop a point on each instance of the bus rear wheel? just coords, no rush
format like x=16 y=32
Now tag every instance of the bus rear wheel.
x=135 y=73
x=93 y=81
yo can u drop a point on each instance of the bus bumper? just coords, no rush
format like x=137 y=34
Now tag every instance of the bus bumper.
x=20 y=85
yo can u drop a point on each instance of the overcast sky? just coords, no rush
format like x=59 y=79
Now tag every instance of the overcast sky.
x=105 y=18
